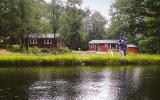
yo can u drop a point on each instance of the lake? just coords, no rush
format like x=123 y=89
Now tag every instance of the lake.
x=80 y=83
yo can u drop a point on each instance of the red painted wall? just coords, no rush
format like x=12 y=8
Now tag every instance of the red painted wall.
x=98 y=47
x=132 y=50
x=103 y=48
x=40 y=43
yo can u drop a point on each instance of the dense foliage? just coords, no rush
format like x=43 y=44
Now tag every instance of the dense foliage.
x=140 y=20
x=38 y=51
x=19 y=18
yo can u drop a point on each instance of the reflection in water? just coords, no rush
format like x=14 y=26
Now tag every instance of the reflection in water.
x=98 y=86
x=136 y=78
x=111 y=83
x=47 y=90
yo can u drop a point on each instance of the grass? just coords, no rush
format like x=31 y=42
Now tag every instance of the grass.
x=76 y=60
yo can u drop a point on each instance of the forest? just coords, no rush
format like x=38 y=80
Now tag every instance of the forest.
x=138 y=19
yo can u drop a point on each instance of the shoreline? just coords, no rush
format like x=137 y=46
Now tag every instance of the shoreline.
x=76 y=60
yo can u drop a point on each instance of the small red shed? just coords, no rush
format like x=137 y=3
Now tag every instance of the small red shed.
x=131 y=48
x=103 y=45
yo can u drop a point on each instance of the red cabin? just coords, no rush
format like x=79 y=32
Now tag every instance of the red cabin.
x=131 y=48
x=103 y=45
x=43 y=41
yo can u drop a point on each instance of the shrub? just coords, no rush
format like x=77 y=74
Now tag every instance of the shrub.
x=34 y=50
x=16 y=48
x=45 y=50
x=60 y=51
x=146 y=45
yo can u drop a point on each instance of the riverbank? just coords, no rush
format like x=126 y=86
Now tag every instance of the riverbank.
x=76 y=60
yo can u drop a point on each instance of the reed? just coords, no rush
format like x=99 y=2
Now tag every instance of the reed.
x=75 y=60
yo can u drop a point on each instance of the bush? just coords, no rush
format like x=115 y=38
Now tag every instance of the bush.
x=149 y=45
x=45 y=50
x=16 y=48
x=34 y=50
x=60 y=51
x=65 y=50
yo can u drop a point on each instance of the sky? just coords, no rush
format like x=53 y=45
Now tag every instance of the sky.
x=100 y=5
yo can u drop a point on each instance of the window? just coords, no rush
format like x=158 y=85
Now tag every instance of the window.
x=106 y=46
x=33 y=41
x=113 y=46
x=92 y=45
x=48 y=41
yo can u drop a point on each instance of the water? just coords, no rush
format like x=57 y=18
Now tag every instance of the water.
x=80 y=83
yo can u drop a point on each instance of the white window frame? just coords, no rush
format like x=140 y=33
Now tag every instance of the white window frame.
x=33 y=41
x=92 y=45
x=106 y=45
x=47 y=41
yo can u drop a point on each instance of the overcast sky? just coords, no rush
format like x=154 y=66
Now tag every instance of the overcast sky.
x=100 y=5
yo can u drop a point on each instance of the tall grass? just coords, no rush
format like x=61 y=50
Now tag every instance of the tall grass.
x=128 y=60
x=74 y=60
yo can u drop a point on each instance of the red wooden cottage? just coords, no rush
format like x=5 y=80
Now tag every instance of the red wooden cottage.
x=110 y=45
x=43 y=41
x=103 y=45
x=131 y=48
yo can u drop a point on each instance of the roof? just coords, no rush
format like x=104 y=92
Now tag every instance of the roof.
x=48 y=35
x=132 y=46
x=103 y=41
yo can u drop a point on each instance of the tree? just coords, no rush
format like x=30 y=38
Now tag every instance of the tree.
x=8 y=18
x=71 y=26
x=55 y=11
x=137 y=17
x=31 y=18
x=98 y=23
x=26 y=18
x=42 y=24
x=94 y=25
x=22 y=17
x=73 y=3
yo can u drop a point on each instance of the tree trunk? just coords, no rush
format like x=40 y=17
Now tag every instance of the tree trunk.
x=10 y=42
x=54 y=35
x=4 y=43
x=27 y=44
x=158 y=51
x=21 y=41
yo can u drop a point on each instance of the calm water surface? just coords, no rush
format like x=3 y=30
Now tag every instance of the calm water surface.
x=80 y=83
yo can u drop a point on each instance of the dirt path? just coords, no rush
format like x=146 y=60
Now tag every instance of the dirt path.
x=5 y=52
